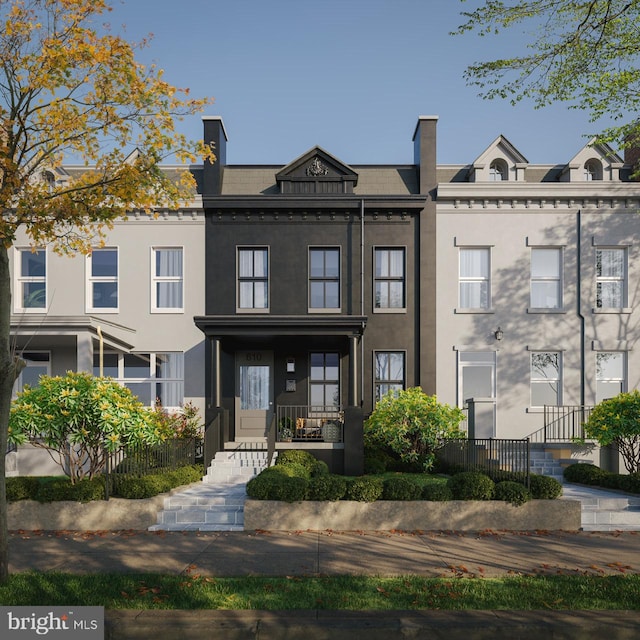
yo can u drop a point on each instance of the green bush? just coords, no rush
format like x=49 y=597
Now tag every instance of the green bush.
x=584 y=473
x=377 y=460
x=471 y=485
x=364 y=489
x=156 y=483
x=327 y=487
x=511 y=492
x=630 y=483
x=297 y=456
x=437 y=492
x=544 y=487
x=61 y=488
x=319 y=468
x=400 y=489
x=22 y=488
x=291 y=470
x=277 y=486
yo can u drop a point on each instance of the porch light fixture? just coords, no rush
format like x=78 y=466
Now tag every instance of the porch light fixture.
x=498 y=333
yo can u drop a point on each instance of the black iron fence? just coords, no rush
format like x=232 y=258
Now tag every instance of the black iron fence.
x=565 y=423
x=500 y=459
x=142 y=460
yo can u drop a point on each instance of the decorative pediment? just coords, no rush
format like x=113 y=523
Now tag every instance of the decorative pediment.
x=595 y=161
x=498 y=162
x=316 y=172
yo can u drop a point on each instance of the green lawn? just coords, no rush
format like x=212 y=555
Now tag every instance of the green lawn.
x=346 y=593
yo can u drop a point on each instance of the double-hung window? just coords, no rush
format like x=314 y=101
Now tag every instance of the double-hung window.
x=324 y=381
x=31 y=280
x=167 y=279
x=546 y=378
x=546 y=280
x=611 y=273
x=389 y=291
x=102 y=269
x=253 y=278
x=324 y=278
x=610 y=374
x=475 y=278
x=390 y=374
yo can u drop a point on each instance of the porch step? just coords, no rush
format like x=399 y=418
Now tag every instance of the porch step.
x=216 y=503
x=605 y=510
x=543 y=463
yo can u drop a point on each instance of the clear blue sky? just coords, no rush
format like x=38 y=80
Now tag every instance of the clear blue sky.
x=349 y=75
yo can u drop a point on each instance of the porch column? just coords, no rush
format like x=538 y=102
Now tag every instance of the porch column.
x=353 y=398
x=84 y=352
x=216 y=377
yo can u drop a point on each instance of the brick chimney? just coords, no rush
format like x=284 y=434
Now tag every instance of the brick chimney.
x=215 y=134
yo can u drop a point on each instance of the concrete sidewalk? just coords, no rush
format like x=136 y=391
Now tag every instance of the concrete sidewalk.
x=309 y=553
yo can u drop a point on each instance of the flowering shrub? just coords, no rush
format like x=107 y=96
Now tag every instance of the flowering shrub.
x=185 y=424
x=80 y=419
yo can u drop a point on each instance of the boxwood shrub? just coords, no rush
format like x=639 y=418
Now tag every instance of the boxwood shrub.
x=277 y=486
x=544 y=487
x=364 y=489
x=400 y=488
x=512 y=492
x=327 y=487
x=22 y=488
x=471 y=485
x=437 y=492
x=585 y=473
x=297 y=456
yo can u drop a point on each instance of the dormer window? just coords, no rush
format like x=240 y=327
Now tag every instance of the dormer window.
x=592 y=170
x=498 y=171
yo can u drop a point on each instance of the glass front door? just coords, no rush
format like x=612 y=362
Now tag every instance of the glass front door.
x=254 y=393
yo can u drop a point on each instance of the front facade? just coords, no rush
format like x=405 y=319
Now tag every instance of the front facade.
x=284 y=300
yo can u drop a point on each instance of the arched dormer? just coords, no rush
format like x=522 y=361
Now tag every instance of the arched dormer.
x=499 y=162
x=595 y=161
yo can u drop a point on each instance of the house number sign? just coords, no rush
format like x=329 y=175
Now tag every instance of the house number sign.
x=253 y=357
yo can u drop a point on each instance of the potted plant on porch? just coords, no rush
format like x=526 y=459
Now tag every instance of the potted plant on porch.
x=285 y=429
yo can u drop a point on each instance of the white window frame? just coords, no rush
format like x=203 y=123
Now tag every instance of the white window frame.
x=91 y=280
x=254 y=279
x=540 y=380
x=547 y=279
x=378 y=382
x=157 y=279
x=498 y=171
x=325 y=279
x=622 y=379
x=603 y=280
x=474 y=279
x=21 y=280
x=390 y=279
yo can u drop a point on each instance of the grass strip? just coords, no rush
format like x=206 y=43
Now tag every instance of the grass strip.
x=153 y=591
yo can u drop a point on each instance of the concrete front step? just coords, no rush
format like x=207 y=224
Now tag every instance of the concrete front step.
x=605 y=510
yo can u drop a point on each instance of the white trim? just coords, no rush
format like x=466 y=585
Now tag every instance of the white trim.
x=90 y=280
x=156 y=279
x=20 y=280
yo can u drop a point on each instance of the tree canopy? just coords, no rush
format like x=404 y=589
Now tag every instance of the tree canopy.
x=583 y=52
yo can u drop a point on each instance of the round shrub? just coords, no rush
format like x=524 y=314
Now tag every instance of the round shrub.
x=512 y=492
x=277 y=486
x=376 y=460
x=291 y=470
x=297 y=456
x=22 y=488
x=327 y=487
x=630 y=483
x=400 y=489
x=437 y=492
x=319 y=468
x=471 y=485
x=544 y=487
x=584 y=473
x=364 y=489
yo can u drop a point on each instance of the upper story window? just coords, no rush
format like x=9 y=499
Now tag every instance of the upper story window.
x=102 y=268
x=546 y=280
x=546 y=378
x=389 y=291
x=324 y=278
x=498 y=171
x=31 y=280
x=592 y=170
x=610 y=374
x=611 y=278
x=475 y=278
x=389 y=372
x=167 y=279
x=253 y=278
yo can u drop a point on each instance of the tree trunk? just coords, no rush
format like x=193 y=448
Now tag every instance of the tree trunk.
x=7 y=379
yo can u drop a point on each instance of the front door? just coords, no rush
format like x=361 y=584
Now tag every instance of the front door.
x=477 y=380
x=254 y=394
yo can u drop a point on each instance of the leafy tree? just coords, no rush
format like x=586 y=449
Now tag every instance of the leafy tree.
x=80 y=419
x=68 y=87
x=412 y=425
x=617 y=421
x=583 y=52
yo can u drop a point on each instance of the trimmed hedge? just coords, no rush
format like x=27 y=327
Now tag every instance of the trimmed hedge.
x=512 y=492
x=156 y=483
x=544 y=487
x=54 y=489
x=471 y=485
x=437 y=492
x=590 y=474
x=365 y=489
x=400 y=489
x=327 y=487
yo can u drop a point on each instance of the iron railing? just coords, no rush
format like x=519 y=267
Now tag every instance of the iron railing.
x=500 y=459
x=565 y=423
x=301 y=423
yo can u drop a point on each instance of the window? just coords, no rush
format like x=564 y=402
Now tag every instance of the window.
x=31 y=289
x=153 y=377
x=389 y=279
x=497 y=171
x=253 y=278
x=610 y=374
x=389 y=372
x=592 y=170
x=324 y=278
x=611 y=268
x=38 y=363
x=324 y=381
x=546 y=383
x=474 y=278
x=546 y=281
x=167 y=279
x=103 y=279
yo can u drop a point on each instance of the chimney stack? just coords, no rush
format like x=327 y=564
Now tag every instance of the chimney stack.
x=214 y=134
x=424 y=152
